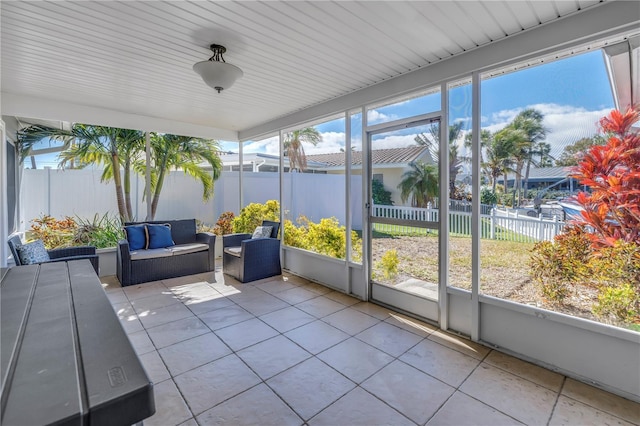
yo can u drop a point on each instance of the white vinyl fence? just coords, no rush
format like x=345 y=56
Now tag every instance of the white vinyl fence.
x=79 y=193
x=498 y=225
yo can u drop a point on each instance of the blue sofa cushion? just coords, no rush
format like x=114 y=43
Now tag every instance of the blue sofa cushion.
x=137 y=237
x=159 y=236
x=33 y=252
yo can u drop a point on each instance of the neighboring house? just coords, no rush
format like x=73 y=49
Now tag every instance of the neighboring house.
x=387 y=165
x=544 y=177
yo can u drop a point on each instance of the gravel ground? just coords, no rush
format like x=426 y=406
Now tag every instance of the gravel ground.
x=504 y=270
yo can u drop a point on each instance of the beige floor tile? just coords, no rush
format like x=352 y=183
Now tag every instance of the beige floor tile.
x=296 y=295
x=343 y=298
x=315 y=287
x=146 y=304
x=320 y=306
x=462 y=410
x=605 y=401
x=128 y=317
x=411 y=325
x=245 y=334
x=275 y=287
x=372 y=309
x=287 y=319
x=141 y=342
x=256 y=406
x=355 y=359
x=571 y=412
x=177 y=331
x=210 y=384
x=170 y=407
x=350 y=321
x=388 y=338
x=199 y=290
x=247 y=293
x=526 y=370
x=144 y=290
x=154 y=366
x=117 y=296
x=203 y=305
x=273 y=356
x=110 y=283
x=164 y=315
x=193 y=353
x=359 y=408
x=410 y=391
x=310 y=387
x=513 y=395
x=190 y=422
x=316 y=336
x=452 y=367
x=263 y=305
x=225 y=317
x=460 y=344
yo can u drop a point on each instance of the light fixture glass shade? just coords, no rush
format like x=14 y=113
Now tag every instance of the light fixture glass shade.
x=219 y=75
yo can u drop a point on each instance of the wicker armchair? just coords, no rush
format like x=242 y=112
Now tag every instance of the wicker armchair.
x=59 y=255
x=248 y=259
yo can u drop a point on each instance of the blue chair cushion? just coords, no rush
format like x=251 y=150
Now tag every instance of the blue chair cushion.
x=33 y=252
x=159 y=236
x=137 y=237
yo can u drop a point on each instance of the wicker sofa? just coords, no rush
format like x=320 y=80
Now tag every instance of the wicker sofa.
x=249 y=259
x=192 y=253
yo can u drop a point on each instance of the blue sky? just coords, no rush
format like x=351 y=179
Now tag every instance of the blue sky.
x=572 y=93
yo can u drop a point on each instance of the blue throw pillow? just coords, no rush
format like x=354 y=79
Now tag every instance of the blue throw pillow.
x=160 y=236
x=137 y=237
x=33 y=252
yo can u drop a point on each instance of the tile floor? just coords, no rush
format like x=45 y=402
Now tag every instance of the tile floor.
x=285 y=351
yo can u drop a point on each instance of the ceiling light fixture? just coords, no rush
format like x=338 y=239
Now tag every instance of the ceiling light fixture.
x=216 y=72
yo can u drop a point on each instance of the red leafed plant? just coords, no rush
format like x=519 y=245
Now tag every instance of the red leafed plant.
x=612 y=171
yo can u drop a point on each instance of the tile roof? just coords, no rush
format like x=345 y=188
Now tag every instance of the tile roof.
x=379 y=156
x=545 y=173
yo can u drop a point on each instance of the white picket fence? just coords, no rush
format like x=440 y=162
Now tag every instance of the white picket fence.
x=498 y=225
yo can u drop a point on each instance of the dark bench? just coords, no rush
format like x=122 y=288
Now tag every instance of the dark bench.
x=64 y=356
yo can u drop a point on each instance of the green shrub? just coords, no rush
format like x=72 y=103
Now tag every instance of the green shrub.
x=100 y=232
x=487 y=196
x=327 y=237
x=620 y=303
x=252 y=215
x=556 y=265
x=379 y=194
x=388 y=264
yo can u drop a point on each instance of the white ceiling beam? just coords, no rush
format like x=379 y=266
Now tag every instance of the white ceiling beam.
x=28 y=106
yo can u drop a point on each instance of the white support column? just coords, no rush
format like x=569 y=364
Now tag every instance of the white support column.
x=4 y=212
x=148 y=174
x=443 y=231
x=240 y=167
x=475 y=206
x=281 y=184
x=366 y=206
x=347 y=195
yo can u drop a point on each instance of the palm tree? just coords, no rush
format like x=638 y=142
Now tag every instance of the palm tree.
x=513 y=145
x=498 y=160
x=110 y=147
x=433 y=142
x=529 y=121
x=186 y=153
x=294 y=150
x=420 y=183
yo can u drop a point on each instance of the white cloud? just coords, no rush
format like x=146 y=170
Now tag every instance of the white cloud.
x=394 y=141
x=268 y=146
x=375 y=117
x=566 y=123
x=331 y=142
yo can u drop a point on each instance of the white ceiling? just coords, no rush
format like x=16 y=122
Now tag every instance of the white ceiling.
x=136 y=57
